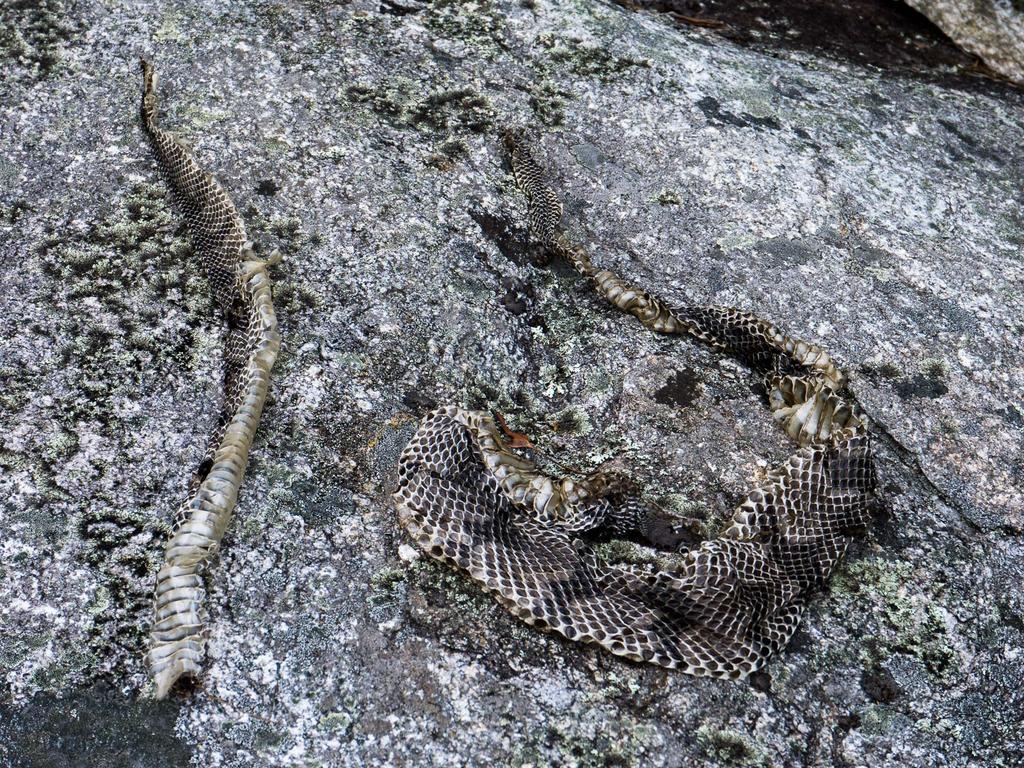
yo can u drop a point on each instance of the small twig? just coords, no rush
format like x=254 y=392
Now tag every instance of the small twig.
x=979 y=67
x=516 y=439
x=519 y=440
x=676 y=16
x=696 y=21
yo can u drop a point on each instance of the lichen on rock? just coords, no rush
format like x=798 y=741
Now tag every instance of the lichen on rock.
x=875 y=213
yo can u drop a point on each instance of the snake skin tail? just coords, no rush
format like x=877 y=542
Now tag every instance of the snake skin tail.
x=251 y=342
x=148 y=111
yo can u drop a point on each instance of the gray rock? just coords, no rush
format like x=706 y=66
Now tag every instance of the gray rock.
x=879 y=216
x=991 y=29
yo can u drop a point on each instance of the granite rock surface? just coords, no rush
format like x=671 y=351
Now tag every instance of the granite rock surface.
x=879 y=215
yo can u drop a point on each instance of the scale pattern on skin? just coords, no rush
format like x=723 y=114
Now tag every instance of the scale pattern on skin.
x=241 y=286
x=725 y=606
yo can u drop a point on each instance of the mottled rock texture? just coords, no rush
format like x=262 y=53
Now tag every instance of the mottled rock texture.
x=991 y=29
x=877 y=214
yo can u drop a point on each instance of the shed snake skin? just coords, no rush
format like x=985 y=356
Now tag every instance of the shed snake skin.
x=726 y=606
x=241 y=286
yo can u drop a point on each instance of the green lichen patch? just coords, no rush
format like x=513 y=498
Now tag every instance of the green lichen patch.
x=729 y=747
x=565 y=741
x=587 y=60
x=457 y=591
x=34 y=33
x=14 y=650
x=934 y=368
x=572 y=420
x=122 y=547
x=449 y=153
x=43 y=466
x=42 y=471
x=560 y=55
x=337 y=722
x=642 y=557
x=668 y=197
x=461 y=615
x=170 y=29
x=11 y=213
x=117 y=283
x=881 y=368
x=457 y=109
x=548 y=101
x=702 y=521
x=480 y=25
x=294 y=298
x=915 y=621
x=387 y=593
x=320 y=503
x=294 y=239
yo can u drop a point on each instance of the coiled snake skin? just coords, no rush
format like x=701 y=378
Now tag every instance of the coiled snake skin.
x=240 y=283
x=467 y=499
